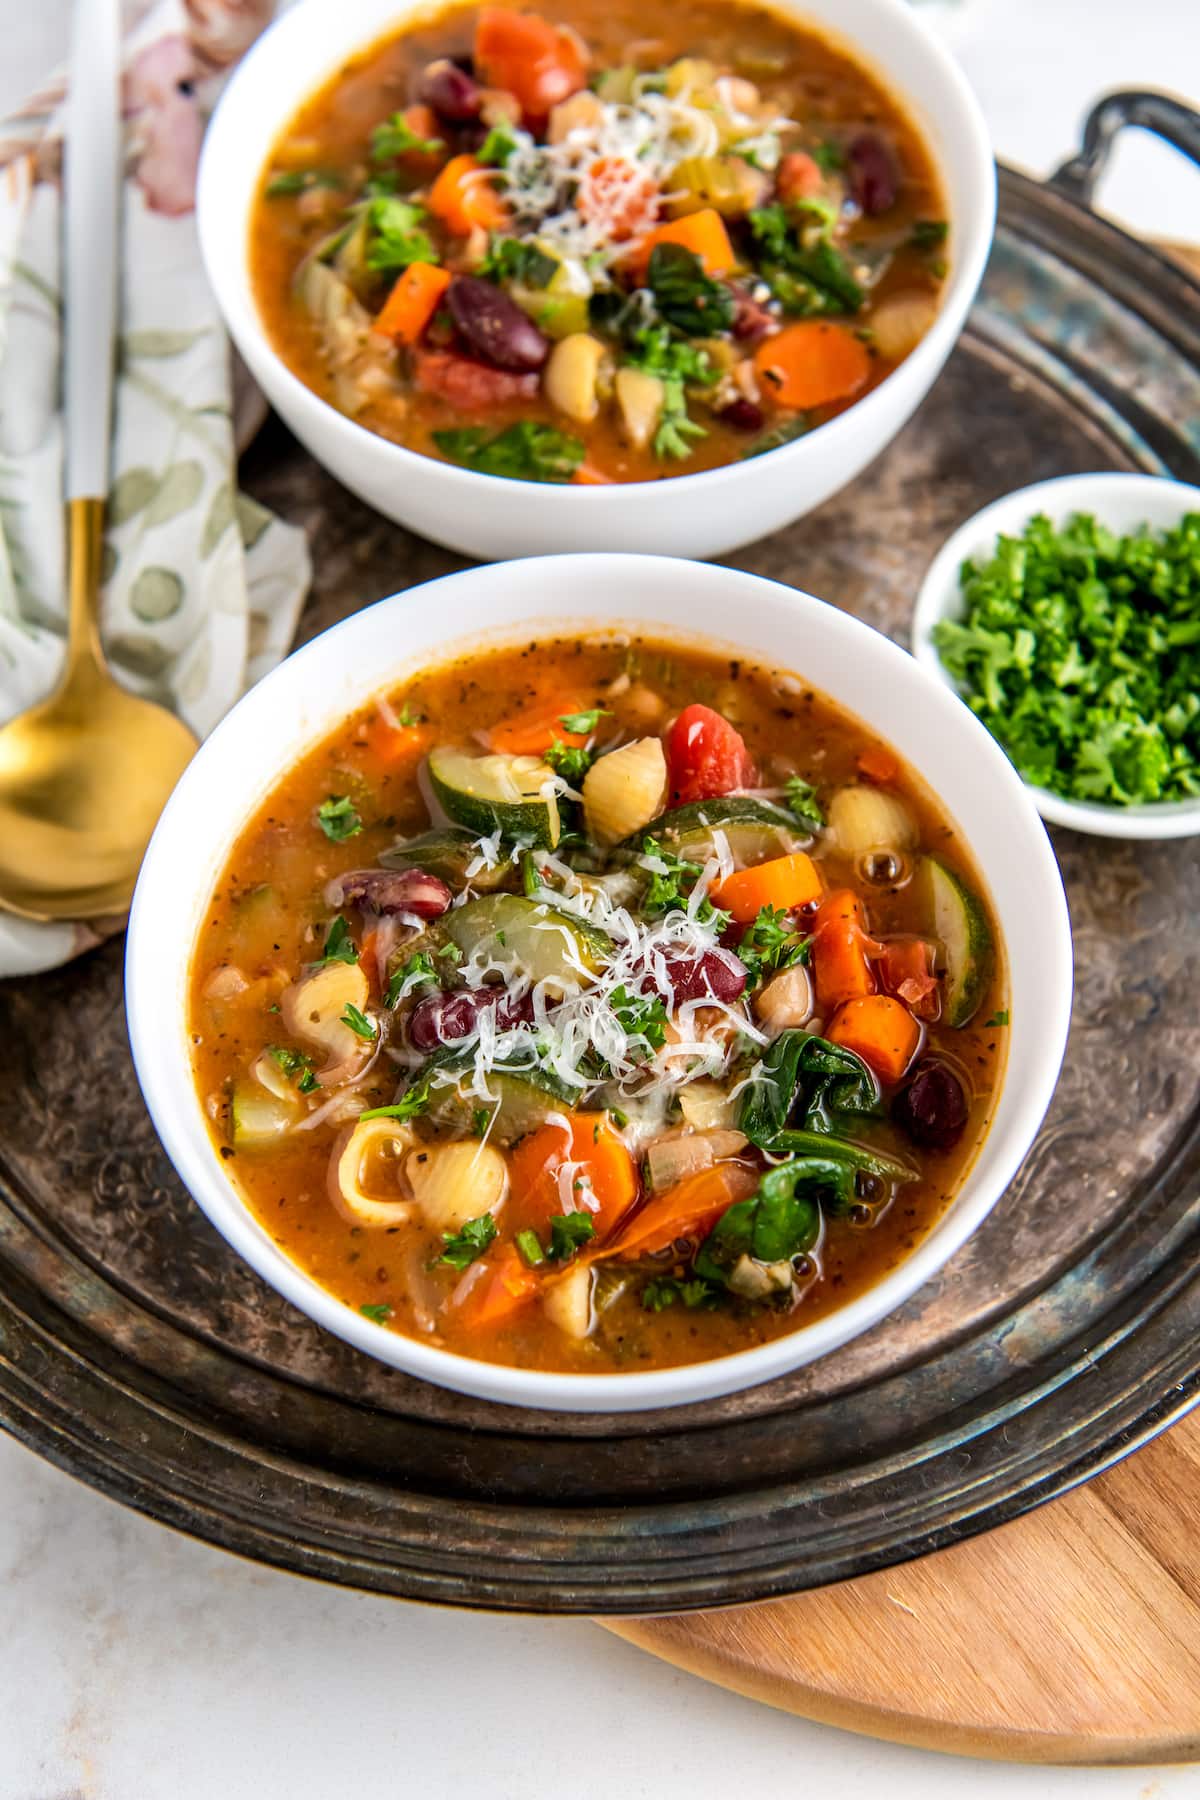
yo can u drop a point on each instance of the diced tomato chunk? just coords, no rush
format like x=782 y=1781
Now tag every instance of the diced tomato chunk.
x=466 y=385
x=706 y=756
x=538 y=63
x=906 y=969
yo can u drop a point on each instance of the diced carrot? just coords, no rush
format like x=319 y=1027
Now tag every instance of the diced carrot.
x=533 y=732
x=906 y=968
x=880 y=1030
x=507 y=1286
x=784 y=882
x=878 y=764
x=538 y=63
x=606 y=1173
x=840 y=950
x=396 y=743
x=412 y=302
x=690 y=1209
x=703 y=233
x=812 y=363
x=798 y=176
x=422 y=121
x=587 y=476
x=369 y=960
x=463 y=197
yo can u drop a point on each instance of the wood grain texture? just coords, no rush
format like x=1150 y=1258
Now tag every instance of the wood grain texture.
x=1072 y=1635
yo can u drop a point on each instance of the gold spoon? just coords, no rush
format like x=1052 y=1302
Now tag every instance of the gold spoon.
x=85 y=774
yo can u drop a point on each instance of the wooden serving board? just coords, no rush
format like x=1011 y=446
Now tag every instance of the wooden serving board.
x=1071 y=1635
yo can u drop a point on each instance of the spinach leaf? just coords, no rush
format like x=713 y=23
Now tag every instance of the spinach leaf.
x=818 y=1080
x=807 y=278
x=687 y=298
x=527 y=451
x=780 y=1220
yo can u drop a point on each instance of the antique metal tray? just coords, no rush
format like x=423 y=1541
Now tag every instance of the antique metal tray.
x=137 y=1352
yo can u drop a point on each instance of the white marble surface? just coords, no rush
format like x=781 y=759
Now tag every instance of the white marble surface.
x=136 y=1665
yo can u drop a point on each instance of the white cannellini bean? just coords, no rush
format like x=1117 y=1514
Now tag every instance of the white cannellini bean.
x=786 y=1002
x=864 y=818
x=571 y=376
x=568 y=1301
x=640 y=398
x=901 y=321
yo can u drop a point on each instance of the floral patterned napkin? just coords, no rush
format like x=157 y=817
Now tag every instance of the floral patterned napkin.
x=203 y=586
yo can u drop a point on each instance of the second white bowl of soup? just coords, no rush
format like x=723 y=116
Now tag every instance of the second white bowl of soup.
x=614 y=1104
x=366 y=324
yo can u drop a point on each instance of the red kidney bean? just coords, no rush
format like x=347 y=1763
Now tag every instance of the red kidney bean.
x=716 y=975
x=453 y=94
x=873 y=179
x=743 y=415
x=493 y=326
x=932 y=1109
x=392 y=891
x=440 y=1018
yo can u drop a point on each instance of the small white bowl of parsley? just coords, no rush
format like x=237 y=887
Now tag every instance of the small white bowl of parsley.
x=1067 y=616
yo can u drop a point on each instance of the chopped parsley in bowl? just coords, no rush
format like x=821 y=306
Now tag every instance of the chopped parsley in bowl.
x=1067 y=616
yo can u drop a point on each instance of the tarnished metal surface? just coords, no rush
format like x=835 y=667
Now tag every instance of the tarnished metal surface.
x=136 y=1350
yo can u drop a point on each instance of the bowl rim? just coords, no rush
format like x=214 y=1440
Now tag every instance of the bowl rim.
x=972 y=234
x=938 y=598
x=158 y=1032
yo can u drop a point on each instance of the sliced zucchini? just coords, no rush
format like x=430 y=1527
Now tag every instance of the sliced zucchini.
x=484 y=793
x=549 y=945
x=445 y=853
x=257 y=1117
x=753 y=829
x=525 y=1098
x=961 y=927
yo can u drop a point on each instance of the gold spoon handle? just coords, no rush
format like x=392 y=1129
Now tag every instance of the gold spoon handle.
x=92 y=183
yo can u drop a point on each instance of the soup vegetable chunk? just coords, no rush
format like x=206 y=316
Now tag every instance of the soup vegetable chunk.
x=605 y=245
x=598 y=1006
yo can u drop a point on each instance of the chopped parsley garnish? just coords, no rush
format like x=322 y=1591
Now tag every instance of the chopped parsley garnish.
x=568 y=1233
x=1080 y=652
x=802 y=802
x=675 y=363
x=997 y=1018
x=378 y=1314
x=508 y=259
x=394 y=235
x=527 y=451
x=462 y=1247
x=770 y=943
x=571 y=761
x=358 y=1022
x=396 y=137
x=686 y=297
x=481 y=1118
x=339 y=945
x=407 y=717
x=338 y=818
x=497 y=147
x=669 y=888
x=300 y=181
x=641 y=1016
x=412 y=974
x=828 y=156
x=584 y=723
x=295 y=1065
x=665 y=1290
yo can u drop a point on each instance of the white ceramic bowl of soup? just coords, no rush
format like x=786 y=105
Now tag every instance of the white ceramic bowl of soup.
x=693 y=515
x=308 y=696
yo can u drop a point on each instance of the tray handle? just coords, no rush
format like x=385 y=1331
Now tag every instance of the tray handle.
x=1168 y=118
